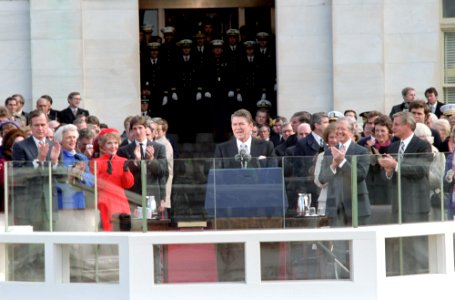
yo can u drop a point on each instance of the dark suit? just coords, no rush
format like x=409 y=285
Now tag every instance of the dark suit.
x=31 y=201
x=306 y=151
x=66 y=116
x=157 y=171
x=228 y=269
x=228 y=150
x=292 y=140
x=415 y=202
x=53 y=115
x=437 y=111
x=276 y=139
x=415 y=186
x=30 y=206
x=397 y=108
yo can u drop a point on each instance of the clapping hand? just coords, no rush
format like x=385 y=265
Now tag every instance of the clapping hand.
x=338 y=156
x=43 y=149
x=149 y=152
x=55 y=152
x=388 y=163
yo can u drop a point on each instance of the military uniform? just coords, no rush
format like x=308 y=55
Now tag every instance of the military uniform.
x=154 y=79
x=267 y=58
x=188 y=87
x=251 y=83
x=218 y=82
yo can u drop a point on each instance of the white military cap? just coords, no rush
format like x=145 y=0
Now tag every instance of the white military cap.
x=249 y=44
x=334 y=115
x=448 y=109
x=264 y=103
x=168 y=30
x=217 y=43
x=185 y=43
x=232 y=31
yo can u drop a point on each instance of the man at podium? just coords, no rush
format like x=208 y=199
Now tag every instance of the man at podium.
x=244 y=151
x=244 y=196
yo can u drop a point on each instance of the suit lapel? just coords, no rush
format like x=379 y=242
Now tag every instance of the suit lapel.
x=254 y=151
x=411 y=146
x=312 y=143
x=233 y=148
x=32 y=147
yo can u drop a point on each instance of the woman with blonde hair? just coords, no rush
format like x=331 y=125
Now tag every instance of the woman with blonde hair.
x=114 y=177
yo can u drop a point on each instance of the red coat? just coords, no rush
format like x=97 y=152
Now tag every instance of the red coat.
x=111 y=189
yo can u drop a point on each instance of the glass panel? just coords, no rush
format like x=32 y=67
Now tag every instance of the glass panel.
x=306 y=195
x=220 y=194
x=409 y=255
x=25 y=262
x=31 y=200
x=189 y=192
x=448 y=9
x=305 y=260
x=132 y=193
x=187 y=263
x=92 y=263
x=72 y=186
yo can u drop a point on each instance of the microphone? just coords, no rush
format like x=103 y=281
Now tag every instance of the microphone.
x=243 y=157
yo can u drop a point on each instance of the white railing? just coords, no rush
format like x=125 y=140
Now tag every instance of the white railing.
x=136 y=274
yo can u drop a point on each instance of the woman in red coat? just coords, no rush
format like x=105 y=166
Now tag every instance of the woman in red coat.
x=113 y=178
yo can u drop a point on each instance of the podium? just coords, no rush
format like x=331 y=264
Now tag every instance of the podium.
x=234 y=193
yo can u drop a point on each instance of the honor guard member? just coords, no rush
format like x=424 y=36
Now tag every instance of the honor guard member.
x=267 y=57
x=218 y=84
x=147 y=31
x=155 y=81
x=145 y=106
x=250 y=83
x=232 y=49
x=188 y=91
x=168 y=48
x=145 y=35
x=200 y=51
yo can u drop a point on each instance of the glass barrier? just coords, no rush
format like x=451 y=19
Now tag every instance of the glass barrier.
x=92 y=263
x=191 y=263
x=24 y=262
x=217 y=194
